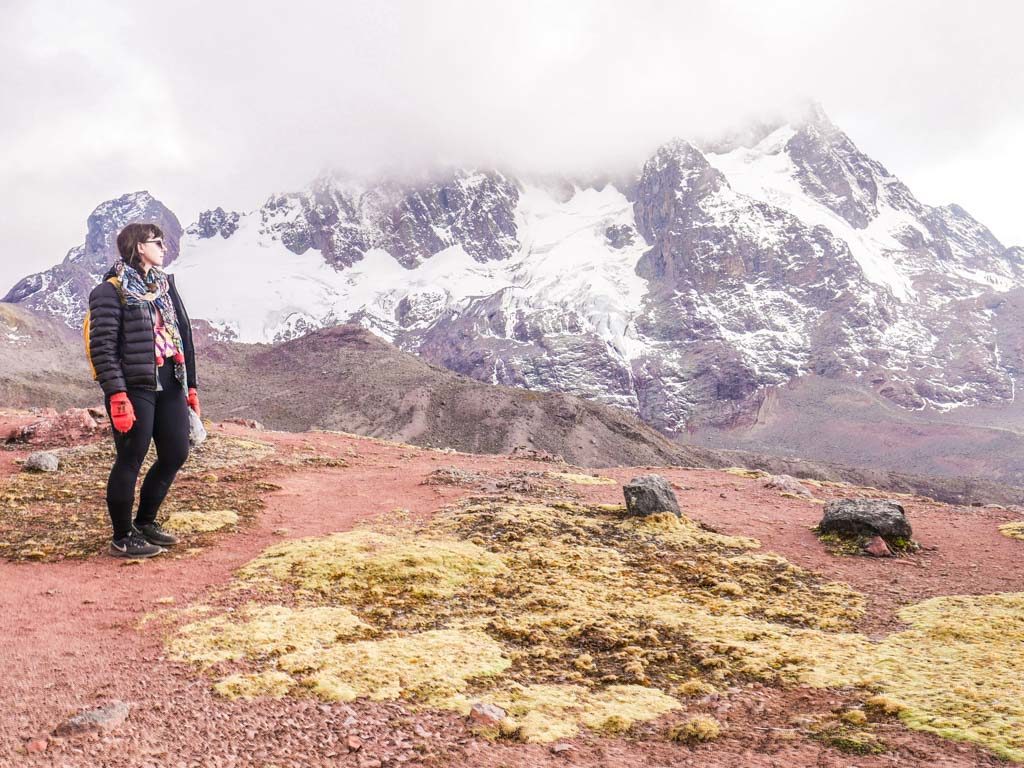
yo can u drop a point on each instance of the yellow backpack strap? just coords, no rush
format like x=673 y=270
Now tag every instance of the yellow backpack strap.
x=85 y=338
x=116 y=282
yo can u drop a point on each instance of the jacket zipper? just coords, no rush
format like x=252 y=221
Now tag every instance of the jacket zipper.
x=152 y=333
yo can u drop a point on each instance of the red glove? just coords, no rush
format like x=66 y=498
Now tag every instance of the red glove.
x=193 y=401
x=121 y=412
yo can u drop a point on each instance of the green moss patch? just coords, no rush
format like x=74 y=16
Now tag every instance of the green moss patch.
x=839 y=544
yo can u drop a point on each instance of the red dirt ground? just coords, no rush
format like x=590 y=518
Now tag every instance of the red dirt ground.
x=71 y=639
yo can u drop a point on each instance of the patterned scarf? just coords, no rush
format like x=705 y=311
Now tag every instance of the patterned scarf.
x=155 y=287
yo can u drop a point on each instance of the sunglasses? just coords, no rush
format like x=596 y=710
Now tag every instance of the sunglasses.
x=158 y=241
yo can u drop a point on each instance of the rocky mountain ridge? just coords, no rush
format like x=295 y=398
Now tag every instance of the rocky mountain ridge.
x=681 y=294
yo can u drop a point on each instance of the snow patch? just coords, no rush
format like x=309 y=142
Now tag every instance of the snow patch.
x=254 y=287
x=766 y=173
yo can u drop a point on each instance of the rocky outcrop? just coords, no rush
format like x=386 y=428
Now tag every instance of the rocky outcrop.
x=411 y=221
x=213 y=223
x=743 y=293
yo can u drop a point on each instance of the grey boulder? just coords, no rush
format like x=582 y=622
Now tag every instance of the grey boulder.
x=649 y=494
x=865 y=517
x=98 y=719
x=41 y=461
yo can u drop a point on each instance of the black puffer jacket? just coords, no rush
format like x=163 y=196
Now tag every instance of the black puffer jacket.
x=120 y=339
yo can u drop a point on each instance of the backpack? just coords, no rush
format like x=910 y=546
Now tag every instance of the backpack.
x=86 y=326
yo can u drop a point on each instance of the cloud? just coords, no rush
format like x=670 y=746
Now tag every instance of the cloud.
x=215 y=103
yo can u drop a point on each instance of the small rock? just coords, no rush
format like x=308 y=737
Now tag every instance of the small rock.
x=353 y=742
x=422 y=732
x=99 y=719
x=41 y=461
x=787 y=484
x=487 y=714
x=560 y=747
x=865 y=517
x=649 y=494
x=876 y=547
x=36 y=746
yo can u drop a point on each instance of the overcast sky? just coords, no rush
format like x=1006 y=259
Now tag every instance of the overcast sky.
x=214 y=103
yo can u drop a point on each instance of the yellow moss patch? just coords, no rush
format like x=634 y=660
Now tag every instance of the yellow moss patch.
x=753 y=474
x=262 y=632
x=854 y=717
x=430 y=667
x=545 y=713
x=271 y=683
x=1013 y=530
x=362 y=564
x=695 y=687
x=578 y=479
x=571 y=616
x=959 y=669
x=684 y=532
x=194 y=521
x=884 y=705
x=695 y=730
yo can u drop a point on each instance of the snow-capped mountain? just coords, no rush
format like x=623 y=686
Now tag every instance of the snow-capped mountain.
x=680 y=293
x=63 y=290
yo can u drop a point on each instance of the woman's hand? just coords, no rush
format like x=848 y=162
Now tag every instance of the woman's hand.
x=122 y=414
x=193 y=401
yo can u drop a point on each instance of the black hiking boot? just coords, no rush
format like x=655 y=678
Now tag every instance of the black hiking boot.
x=154 y=534
x=133 y=545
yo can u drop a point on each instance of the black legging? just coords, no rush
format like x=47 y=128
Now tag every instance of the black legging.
x=163 y=418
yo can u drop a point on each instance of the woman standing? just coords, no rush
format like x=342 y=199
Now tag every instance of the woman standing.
x=139 y=343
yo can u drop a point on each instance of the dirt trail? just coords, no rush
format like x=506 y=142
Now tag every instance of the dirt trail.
x=72 y=639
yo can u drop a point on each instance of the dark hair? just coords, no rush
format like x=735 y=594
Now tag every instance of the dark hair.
x=128 y=240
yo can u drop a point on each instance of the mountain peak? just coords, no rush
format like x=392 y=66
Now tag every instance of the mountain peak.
x=813 y=114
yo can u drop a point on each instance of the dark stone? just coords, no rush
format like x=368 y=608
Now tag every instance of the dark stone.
x=99 y=719
x=649 y=494
x=215 y=222
x=865 y=517
x=620 y=236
